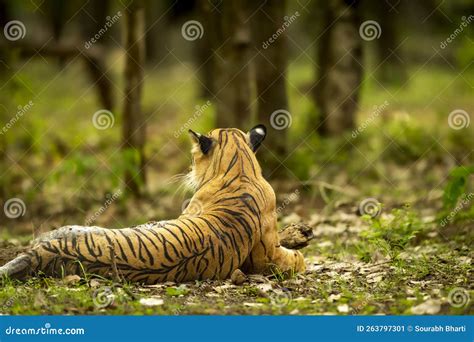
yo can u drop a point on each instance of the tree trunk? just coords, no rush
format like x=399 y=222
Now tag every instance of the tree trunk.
x=270 y=69
x=56 y=12
x=5 y=53
x=231 y=62
x=204 y=47
x=133 y=128
x=391 y=68
x=340 y=74
x=155 y=35
x=93 y=20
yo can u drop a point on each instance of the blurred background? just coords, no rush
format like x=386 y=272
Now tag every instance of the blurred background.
x=362 y=99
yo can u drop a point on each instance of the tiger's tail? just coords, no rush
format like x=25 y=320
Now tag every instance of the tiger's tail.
x=18 y=268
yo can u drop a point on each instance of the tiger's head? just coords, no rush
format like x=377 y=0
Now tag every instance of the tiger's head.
x=224 y=153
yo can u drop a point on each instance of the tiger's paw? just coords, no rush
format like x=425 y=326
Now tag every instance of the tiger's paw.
x=296 y=236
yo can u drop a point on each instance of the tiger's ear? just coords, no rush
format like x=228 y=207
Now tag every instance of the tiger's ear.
x=256 y=136
x=204 y=142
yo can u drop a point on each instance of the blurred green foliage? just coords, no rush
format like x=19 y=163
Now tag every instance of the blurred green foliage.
x=389 y=235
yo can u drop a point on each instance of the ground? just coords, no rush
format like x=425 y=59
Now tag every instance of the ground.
x=435 y=277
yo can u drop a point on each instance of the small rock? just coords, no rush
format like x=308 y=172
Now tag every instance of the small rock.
x=71 y=279
x=151 y=301
x=430 y=307
x=343 y=308
x=238 y=277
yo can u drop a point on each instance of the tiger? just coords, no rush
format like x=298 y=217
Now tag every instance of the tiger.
x=230 y=223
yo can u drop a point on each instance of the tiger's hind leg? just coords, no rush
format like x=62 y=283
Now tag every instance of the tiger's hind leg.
x=287 y=260
x=18 y=268
x=268 y=256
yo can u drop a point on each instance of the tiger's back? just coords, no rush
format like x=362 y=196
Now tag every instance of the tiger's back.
x=230 y=223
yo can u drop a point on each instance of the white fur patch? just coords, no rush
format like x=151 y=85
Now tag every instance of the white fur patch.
x=191 y=181
x=259 y=131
